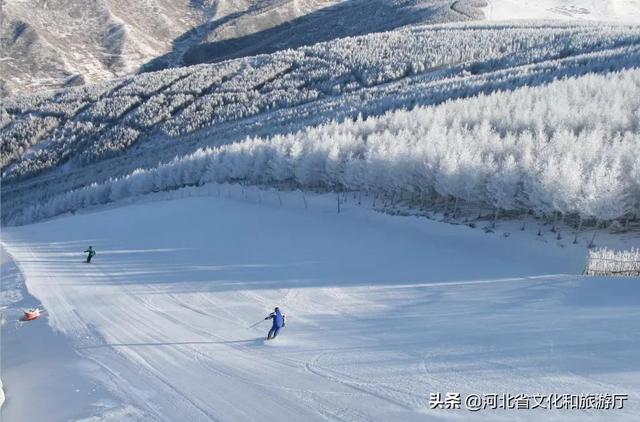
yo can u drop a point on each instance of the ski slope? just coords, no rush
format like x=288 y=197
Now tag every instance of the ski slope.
x=381 y=312
x=593 y=10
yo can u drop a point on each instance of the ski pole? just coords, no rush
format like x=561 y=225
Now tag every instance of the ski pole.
x=256 y=323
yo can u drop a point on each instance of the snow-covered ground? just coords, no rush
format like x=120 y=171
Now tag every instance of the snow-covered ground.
x=381 y=312
x=596 y=10
x=40 y=370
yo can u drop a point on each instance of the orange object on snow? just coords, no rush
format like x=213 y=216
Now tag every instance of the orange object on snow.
x=31 y=314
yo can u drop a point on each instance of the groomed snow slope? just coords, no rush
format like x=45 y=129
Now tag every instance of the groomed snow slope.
x=593 y=10
x=381 y=312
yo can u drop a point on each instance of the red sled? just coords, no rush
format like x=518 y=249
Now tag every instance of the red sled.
x=31 y=314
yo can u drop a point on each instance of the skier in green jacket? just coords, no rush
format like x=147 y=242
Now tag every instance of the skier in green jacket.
x=90 y=253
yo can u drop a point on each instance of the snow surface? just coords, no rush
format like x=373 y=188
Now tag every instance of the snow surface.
x=37 y=361
x=381 y=312
x=595 y=10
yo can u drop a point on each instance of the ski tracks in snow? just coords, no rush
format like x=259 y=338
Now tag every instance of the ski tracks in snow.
x=165 y=311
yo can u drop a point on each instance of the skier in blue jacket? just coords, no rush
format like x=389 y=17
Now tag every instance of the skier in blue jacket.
x=278 y=323
x=90 y=254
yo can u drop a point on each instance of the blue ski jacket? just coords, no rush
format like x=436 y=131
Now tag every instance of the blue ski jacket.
x=278 y=318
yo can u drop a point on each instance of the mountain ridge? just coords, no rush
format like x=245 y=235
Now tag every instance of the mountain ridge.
x=55 y=43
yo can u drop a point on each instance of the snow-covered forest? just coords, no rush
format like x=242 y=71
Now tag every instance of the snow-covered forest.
x=535 y=127
x=77 y=122
x=47 y=46
x=609 y=262
x=514 y=150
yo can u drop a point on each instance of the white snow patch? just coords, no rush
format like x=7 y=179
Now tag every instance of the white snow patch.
x=627 y=11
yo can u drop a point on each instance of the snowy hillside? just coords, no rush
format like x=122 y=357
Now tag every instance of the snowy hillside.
x=553 y=160
x=49 y=44
x=419 y=191
x=592 y=10
x=381 y=311
x=66 y=43
x=61 y=142
x=267 y=28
